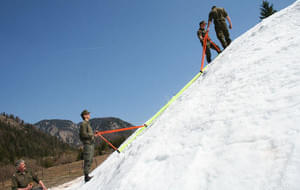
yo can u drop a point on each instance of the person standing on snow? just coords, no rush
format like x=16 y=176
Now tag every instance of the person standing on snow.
x=209 y=44
x=87 y=138
x=219 y=15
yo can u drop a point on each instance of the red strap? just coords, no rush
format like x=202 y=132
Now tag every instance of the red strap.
x=119 y=130
x=204 y=51
x=114 y=131
x=218 y=50
x=107 y=142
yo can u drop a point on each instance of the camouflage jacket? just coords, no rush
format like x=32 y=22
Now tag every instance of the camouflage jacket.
x=22 y=179
x=201 y=33
x=86 y=133
x=218 y=15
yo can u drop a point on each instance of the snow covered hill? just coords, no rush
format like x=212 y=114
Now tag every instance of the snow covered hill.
x=236 y=128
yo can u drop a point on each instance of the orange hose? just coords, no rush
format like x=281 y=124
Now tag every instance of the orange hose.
x=114 y=131
x=108 y=142
x=218 y=50
x=119 y=130
x=204 y=51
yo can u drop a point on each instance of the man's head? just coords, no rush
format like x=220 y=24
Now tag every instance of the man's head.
x=20 y=165
x=213 y=7
x=202 y=24
x=85 y=115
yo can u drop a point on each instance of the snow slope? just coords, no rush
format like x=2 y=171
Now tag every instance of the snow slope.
x=236 y=128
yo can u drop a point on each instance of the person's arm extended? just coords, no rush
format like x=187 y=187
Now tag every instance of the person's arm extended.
x=210 y=18
x=229 y=21
x=208 y=26
x=42 y=185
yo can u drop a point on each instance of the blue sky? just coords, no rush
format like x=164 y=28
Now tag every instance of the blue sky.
x=123 y=58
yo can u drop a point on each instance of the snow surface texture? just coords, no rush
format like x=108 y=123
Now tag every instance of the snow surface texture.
x=235 y=128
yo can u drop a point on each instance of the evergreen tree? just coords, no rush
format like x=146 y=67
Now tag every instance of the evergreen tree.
x=266 y=10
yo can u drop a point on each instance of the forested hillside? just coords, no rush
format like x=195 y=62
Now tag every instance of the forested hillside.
x=21 y=140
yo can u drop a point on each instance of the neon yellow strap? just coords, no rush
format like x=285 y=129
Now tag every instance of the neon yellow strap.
x=137 y=132
x=149 y=122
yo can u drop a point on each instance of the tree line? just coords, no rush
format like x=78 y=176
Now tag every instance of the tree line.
x=24 y=140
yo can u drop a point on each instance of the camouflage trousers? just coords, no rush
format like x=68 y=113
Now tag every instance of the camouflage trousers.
x=223 y=34
x=88 y=154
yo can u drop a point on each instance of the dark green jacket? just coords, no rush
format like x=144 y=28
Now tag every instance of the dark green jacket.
x=201 y=32
x=218 y=15
x=22 y=179
x=86 y=133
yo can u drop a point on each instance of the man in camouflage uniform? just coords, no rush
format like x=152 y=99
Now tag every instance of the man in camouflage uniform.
x=87 y=137
x=219 y=15
x=209 y=44
x=23 y=179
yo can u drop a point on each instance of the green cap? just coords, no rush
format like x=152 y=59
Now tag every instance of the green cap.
x=84 y=112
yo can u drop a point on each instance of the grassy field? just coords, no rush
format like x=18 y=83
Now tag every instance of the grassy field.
x=61 y=174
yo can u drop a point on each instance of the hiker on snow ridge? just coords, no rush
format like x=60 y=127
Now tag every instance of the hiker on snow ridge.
x=219 y=15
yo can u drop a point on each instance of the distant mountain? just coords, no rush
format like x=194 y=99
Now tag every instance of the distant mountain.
x=68 y=132
x=64 y=130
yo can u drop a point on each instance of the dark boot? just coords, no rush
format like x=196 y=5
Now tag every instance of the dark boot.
x=87 y=178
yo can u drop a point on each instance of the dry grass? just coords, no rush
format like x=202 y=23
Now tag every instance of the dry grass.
x=61 y=174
